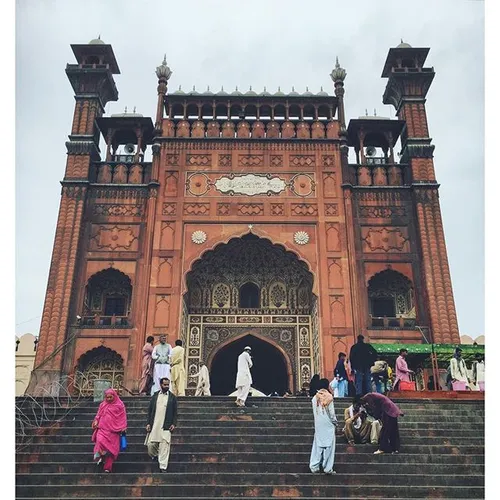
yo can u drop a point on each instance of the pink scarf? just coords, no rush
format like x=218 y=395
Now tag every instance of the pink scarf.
x=111 y=419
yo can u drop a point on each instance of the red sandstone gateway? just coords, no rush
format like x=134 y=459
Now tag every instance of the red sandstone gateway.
x=240 y=218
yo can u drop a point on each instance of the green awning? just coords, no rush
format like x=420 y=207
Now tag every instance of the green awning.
x=393 y=349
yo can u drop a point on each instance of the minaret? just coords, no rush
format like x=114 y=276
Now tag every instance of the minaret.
x=93 y=83
x=408 y=84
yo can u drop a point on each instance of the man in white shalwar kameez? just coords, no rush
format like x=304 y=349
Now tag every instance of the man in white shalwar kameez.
x=325 y=422
x=161 y=356
x=243 y=377
x=203 y=386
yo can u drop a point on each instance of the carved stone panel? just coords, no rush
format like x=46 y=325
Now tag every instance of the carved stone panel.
x=162 y=311
x=376 y=212
x=250 y=160
x=196 y=208
x=332 y=209
x=111 y=237
x=333 y=237
x=223 y=209
x=165 y=272
x=250 y=209
x=330 y=185
x=303 y=160
x=276 y=160
x=171 y=184
x=385 y=239
x=337 y=311
x=167 y=236
x=277 y=208
x=117 y=210
x=328 y=161
x=172 y=160
x=199 y=160
x=169 y=209
x=335 y=278
x=225 y=160
x=304 y=209
x=302 y=185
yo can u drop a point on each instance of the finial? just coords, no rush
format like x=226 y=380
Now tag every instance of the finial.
x=322 y=88
x=134 y=110
x=338 y=74
x=402 y=40
x=265 y=90
x=208 y=88
x=366 y=111
x=222 y=88
x=179 y=88
x=374 y=112
x=250 y=88
x=163 y=71
x=279 y=89
x=194 y=88
x=307 y=89
x=99 y=37
x=236 y=88
x=125 y=109
x=293 y=88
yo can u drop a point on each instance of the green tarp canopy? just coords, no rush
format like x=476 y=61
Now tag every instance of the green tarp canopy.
x=423 y=351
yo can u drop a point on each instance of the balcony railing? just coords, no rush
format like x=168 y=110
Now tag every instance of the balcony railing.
x=380 y=173
x=386 y=322
x=249 y=311
x=97 y=321
x=121 y=172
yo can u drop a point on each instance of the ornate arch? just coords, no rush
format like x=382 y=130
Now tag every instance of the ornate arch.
x=392 y=287
x=100 y=363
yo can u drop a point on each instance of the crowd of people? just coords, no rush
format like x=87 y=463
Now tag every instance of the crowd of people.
x=366 y=377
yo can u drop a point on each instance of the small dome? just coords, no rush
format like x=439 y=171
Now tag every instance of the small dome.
x=97 y=41
x=179 y=91
x=322 y=92
x=307 y=93
x=208 y=92
x=250 y=92
x=236 y=91
x=404 y=45
x=293 y=92
x=265 y=92
x=193 y=92
x=222 y=92
x=279 y=92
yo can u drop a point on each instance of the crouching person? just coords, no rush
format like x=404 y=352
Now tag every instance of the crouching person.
x=162 y=419
x=325 y=422
x=360 y=427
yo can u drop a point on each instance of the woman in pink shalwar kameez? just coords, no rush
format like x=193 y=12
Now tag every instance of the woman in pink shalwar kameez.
x=108 y=424
x=147 y=366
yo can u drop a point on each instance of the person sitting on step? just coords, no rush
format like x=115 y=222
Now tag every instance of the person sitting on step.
x=359 y=426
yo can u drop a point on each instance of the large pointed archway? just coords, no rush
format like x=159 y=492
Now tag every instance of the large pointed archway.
x=270 y=372
x=250 y=284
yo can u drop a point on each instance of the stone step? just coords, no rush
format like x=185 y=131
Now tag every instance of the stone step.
x=346 y=455
x=368 y=465
x=266 y=447
x=337 y=488
x=223 y=439
x=77 y=434
x=172 y=479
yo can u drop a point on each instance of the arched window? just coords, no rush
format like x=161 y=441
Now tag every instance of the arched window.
x=108 y=295
x=390 y=295
x=249 y=295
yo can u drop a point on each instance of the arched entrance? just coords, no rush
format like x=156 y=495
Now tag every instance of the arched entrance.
x=269 y=371
x=250 y=285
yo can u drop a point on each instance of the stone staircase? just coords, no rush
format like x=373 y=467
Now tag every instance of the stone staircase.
x=261 y=451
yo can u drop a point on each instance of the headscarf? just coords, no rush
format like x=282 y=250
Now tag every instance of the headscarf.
x=379 y=403
x=112 y=416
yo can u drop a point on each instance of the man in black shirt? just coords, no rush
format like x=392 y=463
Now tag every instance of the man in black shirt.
x=362 y=357
x=340 y=379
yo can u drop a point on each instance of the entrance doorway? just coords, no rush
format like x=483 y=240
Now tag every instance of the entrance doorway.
x=269 y=371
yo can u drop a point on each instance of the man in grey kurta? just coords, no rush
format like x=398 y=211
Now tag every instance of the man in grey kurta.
x=161 y=356
x=325 y=422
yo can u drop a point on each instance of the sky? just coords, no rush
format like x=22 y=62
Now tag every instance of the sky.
x=265 y=43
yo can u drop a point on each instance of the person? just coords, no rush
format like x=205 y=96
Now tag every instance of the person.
x=379 y=375
x=177 y=370
x=362 y=357
x=340 y=376
x=458 y=372
x=203 y=385
x=325 y=422
x=162 y=420
x=478 y=372
x=431 y=386
x=108 y=424
x=161 y=356
x=402 y=370
x=383 y=409
x=313 y=385
x=147 y=366
x=357 y=427
x=243 y=377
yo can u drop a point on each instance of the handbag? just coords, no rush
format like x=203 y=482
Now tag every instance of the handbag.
x=406 y=386
x=123 y=441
